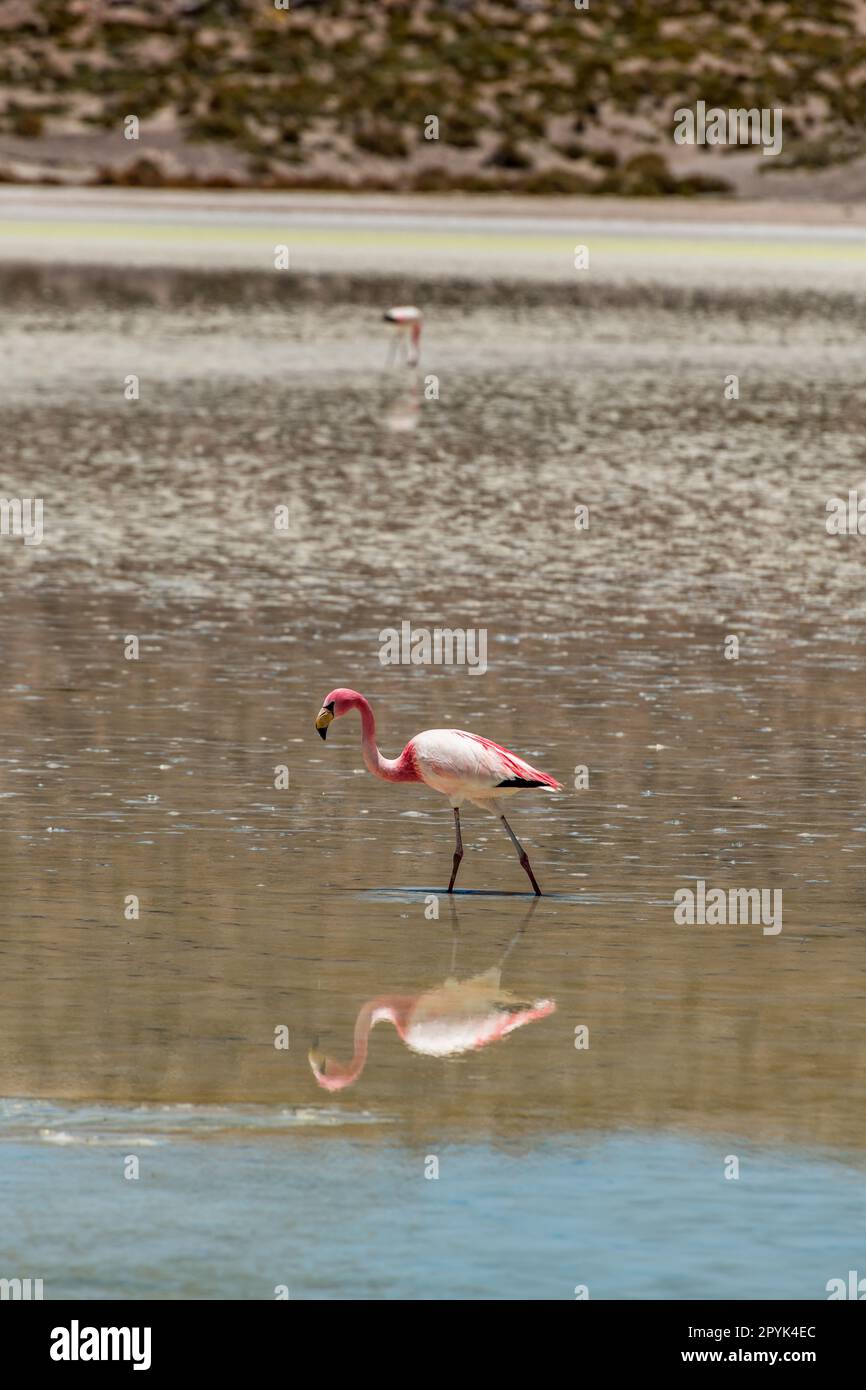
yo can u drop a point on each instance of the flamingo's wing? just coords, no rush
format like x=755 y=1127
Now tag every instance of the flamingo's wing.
x=506 y=767
x=459 y=1016
x=453 y=760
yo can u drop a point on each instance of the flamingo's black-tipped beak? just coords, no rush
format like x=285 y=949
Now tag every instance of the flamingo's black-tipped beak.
x=323 y=719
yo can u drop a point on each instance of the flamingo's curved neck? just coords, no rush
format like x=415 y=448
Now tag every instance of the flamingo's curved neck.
x=415 y=345
x=393 y=1008
x=400 y=769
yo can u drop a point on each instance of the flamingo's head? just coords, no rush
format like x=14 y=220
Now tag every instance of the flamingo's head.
x=330 y=1075
x=338 y=702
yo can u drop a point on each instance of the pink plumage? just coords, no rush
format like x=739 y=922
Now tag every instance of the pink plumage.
x=517 y=767
x=446 y=1021
x=460 y=765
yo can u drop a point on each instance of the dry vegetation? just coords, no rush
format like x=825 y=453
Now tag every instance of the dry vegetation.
x=531 y=96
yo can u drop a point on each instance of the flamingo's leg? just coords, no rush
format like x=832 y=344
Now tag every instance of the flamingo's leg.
x=518 y=934
x=455 y=940
x=522 y=856
x=458 y=850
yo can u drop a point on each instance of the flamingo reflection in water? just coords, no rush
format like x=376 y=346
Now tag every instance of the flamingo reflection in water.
x=405 y=410
x=407 y=320
x=454 y=1017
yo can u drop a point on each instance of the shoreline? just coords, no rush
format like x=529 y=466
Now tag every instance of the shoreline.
x=748 y=211
x=712 y=242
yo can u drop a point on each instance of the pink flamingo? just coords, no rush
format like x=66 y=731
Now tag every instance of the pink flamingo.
x=454 y=1017
x=462 y=766
x=409 y=320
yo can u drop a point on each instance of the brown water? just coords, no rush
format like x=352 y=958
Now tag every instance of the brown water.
x=262 y=907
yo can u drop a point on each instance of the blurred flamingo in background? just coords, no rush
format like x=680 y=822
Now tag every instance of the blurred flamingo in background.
x=460 y=765
x=408 y=320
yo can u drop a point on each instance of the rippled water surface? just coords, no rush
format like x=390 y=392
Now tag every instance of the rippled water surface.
x=281 y=913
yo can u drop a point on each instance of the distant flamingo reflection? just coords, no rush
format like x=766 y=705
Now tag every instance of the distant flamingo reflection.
x=404 y=411
x=454 y=1017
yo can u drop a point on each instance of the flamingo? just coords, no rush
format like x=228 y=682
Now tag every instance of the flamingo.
x=408 y=320
x=452 y=1018
x=461 y=766
x=405 y=411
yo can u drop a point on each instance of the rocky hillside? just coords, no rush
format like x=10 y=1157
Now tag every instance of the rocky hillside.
x=531 y=96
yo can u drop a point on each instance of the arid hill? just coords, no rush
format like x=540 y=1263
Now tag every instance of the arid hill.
x=529 y=96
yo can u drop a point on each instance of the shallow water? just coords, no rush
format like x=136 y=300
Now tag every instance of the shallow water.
x=322 y=1216
x=263 y=909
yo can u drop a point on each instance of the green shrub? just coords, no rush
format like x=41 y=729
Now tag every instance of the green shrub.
x=554 y=181
x=647 y=176
x=508 y=156
x=382 y=140
x=460 y=131
x=28 y=124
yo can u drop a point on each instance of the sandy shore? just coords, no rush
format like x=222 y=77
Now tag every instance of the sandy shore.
x=715 y=242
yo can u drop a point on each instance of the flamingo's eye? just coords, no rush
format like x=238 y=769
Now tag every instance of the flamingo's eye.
x=330 y=707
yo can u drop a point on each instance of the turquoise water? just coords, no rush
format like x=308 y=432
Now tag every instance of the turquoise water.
x=234 y=1203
